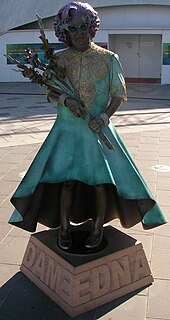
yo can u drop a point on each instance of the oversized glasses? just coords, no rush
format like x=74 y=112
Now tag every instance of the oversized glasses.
x=81 y=27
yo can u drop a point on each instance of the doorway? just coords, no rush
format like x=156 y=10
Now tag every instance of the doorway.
x=140 y=56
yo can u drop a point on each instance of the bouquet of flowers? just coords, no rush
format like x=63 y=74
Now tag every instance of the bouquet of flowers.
x=51 y=75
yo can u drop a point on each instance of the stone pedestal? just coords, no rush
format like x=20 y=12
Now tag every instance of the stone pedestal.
x=79 y=281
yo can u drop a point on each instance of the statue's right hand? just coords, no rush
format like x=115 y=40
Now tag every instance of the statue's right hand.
x=74 y=107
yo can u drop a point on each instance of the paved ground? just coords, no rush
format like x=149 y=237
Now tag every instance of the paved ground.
x=144 y=124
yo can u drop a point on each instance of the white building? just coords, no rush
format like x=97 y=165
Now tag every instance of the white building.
x=139 y=31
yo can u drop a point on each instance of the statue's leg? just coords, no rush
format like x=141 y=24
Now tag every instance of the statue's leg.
x=95 y=237
x=64 y=240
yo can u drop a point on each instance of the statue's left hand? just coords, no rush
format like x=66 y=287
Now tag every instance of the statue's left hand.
x=96 y=123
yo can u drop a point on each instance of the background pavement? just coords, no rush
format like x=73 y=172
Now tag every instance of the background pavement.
x=144 y=124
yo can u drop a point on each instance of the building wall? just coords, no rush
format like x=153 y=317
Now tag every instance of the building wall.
x=139 y=20
x=135 y=17
x=152 y=21
x=18 y=37
x=165 y=79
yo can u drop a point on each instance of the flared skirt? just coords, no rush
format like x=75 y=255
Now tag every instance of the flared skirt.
x=72 y=152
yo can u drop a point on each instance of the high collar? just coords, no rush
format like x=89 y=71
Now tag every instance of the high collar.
x=91 y=46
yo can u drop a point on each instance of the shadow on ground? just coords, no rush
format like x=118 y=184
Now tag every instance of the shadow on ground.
x=21 y=299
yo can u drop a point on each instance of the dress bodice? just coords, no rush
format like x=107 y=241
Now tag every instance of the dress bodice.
x=95 y=75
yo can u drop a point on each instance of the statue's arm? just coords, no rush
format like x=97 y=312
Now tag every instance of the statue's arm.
x=114 y=104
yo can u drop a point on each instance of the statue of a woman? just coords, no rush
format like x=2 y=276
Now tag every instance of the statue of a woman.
x=75 y=176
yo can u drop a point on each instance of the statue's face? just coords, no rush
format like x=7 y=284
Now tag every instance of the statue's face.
x=78 y=31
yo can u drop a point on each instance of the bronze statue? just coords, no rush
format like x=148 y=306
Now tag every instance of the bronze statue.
x=79 y=38
x=83 y=171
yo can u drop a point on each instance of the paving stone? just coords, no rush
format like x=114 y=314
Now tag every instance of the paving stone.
x=7 y=188
x=164 y=136
x=139 y=229
x=27 y=149
x=147 y=164
x=149 y=175
x=18 y=232
x=12 y=250
x=132 y=143
x=147 y=155
x=5 y=213
x=150 y=134
x=5 y=167
x=166 y=212
x=5 y=151
x=159 y=300
x=129 y=136
x=156 y=319
x=163 y=183
x=144 y=147
x=12 y=175
x=161 y=242
x=115 y=223
x=4 y=231
x=1 y=175
x=13 y=158
x=160 y=262
x=162 y=175
x=164 y=145
x=163 y=230
x=24 y=165
x=126 y=310
x=150 y=140
x=2 y=199
x=163 y=197
x=132 y=150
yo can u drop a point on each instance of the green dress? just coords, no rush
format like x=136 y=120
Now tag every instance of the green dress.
x=72 y=152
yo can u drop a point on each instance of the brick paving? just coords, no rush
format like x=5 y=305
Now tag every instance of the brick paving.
x=144 y=124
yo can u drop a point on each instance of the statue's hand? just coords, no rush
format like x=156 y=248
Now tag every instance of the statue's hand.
x=96 y=123
x=74 y=107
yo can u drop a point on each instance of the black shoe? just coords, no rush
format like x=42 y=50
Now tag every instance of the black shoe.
x=95 y=238
x=64 y=239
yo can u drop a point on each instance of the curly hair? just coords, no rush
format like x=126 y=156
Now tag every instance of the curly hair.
x=63 y=19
